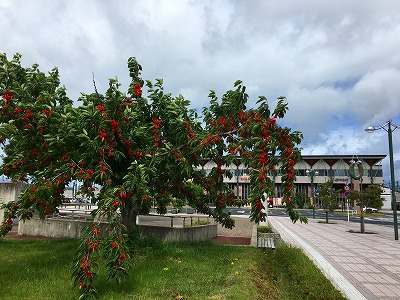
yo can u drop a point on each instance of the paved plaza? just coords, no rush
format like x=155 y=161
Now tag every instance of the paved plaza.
x=362 y=266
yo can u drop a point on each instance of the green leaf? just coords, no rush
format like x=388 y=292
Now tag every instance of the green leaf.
x=261 y=99
x=237 y=82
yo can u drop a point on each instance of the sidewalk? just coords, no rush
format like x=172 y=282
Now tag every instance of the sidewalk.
x=362 y=266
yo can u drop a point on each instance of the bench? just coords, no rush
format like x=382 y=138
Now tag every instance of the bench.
x=265 y=242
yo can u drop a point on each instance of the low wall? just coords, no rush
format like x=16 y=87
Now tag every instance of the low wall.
x=55 y=228
x=195 y=233
x=70 y=228
x=9 y=191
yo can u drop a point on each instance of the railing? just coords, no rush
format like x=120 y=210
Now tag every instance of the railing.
x=72 y=213
x=174 y=220
x=82 y=211
x=77 y=204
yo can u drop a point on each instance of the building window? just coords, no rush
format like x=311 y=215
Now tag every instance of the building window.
x=302 y=188
x=278 y=191
x=206 y=171
x=232 y=186
x=301 y=172
x=340 y=172
x=245 y=190
x=241 y=172
x=323 y=172
x=375 y=173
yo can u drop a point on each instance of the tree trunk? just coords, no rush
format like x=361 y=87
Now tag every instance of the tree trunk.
x=362 y=229
x=129 y=214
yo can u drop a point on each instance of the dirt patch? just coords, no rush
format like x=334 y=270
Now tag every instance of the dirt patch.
x=13 y=234
x=367 y=232
x=232 y=240
x=265 y=287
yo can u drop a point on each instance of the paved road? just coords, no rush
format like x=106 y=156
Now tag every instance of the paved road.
x=386 y=219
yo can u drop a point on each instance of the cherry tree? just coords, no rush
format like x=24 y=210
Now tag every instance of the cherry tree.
x=141 y=152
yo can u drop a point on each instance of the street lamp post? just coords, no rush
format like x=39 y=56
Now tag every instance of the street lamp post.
x=311 y=173
x=389 y=130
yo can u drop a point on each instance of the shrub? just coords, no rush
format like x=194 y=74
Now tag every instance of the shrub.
x=264 y=229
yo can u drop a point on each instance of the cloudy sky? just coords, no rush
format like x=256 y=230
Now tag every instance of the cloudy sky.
x=337 y=62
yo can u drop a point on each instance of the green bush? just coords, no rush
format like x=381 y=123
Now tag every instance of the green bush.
x=202 y=223
x=264 y=229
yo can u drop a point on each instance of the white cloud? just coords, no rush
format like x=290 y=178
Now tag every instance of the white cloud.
x=376 y=95
x=337 y=62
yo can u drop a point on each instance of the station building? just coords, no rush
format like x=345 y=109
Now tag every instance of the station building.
x=310 y=171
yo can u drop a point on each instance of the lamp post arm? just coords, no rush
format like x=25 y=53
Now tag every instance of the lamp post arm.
x=391 y=127
x=394 y=126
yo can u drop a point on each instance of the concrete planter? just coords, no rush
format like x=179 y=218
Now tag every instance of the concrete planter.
x=275 y=236
x=55 y=228
x=70 y=228
x=195 y=233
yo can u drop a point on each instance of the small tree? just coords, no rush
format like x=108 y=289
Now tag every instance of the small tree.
x=328 y=196
x=140 y=151
x=354 y=197
x=372 y=197
x=301 y=199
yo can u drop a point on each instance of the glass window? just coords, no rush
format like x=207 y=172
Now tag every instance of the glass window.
x=232 y=186
x=245 y=190
x=278 y=191
x=375 y=173
x=340 y=172
x=301 y=188
x=206 y=171
x=302 y=172
x=238 y=172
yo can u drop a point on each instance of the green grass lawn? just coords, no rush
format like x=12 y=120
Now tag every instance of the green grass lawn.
x=41 y=269
x=376 y=214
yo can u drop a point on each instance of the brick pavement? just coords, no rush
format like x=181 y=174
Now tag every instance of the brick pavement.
x=244 y=233
x=362 y=266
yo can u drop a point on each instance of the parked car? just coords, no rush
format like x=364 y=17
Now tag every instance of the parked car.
x=370 y=209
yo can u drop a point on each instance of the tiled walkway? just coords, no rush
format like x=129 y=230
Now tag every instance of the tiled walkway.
x=243 y=227
x=362 y=266
x=244 y=233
